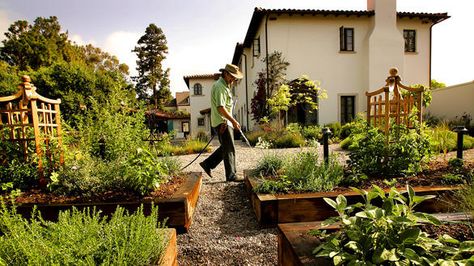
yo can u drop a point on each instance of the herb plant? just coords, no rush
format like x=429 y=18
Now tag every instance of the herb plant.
x=304 y=172
x=81 y=238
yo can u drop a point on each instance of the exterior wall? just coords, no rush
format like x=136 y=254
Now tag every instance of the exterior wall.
x=312 y=47
x=452 y=101
x=200 y=102
x=417 y=64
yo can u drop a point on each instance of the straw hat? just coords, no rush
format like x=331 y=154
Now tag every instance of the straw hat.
x=233 y=70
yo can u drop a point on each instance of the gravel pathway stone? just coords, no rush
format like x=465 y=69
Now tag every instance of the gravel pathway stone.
x=224 y=229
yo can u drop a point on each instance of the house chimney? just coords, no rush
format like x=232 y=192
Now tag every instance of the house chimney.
x=370 y=5
x=386 y=43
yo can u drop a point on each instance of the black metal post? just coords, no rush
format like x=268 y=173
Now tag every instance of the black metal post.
x=326 y=134
x=460 y=130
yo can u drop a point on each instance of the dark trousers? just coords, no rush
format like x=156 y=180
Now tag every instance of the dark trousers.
x=225 y=152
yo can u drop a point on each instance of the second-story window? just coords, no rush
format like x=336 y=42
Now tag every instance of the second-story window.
x=197 y=89
x=346 y=39
x=256 y=47
x=410 y=40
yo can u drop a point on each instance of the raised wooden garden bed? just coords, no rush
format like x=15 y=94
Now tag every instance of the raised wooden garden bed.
x=296 y=245
x=170 y=255
x=178 y=209
x=273 y=209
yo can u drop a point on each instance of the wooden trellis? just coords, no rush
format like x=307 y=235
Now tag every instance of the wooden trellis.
x=32 y=123
x=389 y=102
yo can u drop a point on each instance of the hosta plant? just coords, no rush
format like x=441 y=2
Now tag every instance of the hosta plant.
x=387 y=234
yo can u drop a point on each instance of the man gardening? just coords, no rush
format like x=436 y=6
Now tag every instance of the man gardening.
x=223 y=123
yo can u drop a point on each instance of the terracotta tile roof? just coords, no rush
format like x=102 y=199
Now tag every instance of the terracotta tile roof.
x=259 y=15
x=215 y=76
x=205 y=111
x=165 y=115
x=182 y=98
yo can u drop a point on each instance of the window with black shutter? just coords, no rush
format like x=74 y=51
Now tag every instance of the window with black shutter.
x=346 y=39
x=410 y=40
x=197 y=89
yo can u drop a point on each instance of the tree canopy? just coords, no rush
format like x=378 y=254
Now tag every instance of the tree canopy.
x=58 y=67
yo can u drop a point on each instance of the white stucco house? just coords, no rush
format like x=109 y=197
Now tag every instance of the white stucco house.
x=200 y=101
x=349 y=52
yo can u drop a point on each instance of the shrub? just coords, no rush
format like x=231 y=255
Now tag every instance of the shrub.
x=288 y=140
x=269 y=165
x=305 y=173
x=387 y=235
x=335 y=128
x=202 y=136
x=402 y=153
x=254 y=135
x=312 y=132
x=18 y=175
x=81 y=238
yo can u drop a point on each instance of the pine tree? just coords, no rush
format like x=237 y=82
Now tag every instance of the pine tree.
x=151 y=50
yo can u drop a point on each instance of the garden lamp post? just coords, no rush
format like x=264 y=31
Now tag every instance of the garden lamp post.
x=461 y=131
x=326 y=134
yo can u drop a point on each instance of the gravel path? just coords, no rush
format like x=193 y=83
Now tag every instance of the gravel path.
x=225 y=230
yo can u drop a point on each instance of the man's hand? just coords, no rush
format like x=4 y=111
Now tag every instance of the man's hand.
x=226 y=114
x=236 y=124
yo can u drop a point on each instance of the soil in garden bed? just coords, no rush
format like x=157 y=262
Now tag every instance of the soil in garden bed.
x=459 y=231
x=38 y=196
x=432 y=175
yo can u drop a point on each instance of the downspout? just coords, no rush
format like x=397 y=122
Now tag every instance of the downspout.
x=246 y=92
x=431 y=44
x=266 y=55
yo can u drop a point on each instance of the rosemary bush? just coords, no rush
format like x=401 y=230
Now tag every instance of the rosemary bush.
x=81 y=238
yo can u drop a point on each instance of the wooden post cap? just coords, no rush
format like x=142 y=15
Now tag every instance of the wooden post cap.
x=26 y=78
x=393 y=71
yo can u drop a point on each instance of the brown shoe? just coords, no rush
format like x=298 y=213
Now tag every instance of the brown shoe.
x=206 y=169
x=234 y=178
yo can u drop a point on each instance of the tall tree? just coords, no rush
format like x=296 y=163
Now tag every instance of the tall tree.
x=151 y=50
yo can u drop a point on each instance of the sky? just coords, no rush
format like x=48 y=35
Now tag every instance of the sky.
x=202 y=34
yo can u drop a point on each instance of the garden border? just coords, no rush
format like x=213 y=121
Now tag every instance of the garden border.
x=272 y=209
x=178 y=208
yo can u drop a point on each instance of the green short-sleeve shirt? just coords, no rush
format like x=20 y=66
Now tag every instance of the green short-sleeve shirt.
x=220 y=96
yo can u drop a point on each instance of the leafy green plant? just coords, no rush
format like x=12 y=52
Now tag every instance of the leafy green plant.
x=81 y=238
x=270 y=165
x=305 y=173
x=401 y=153
x=387 y=234
x=19 y=175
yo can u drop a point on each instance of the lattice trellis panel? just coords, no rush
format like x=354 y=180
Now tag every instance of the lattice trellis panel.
x=30 y=123
x=388 y=103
